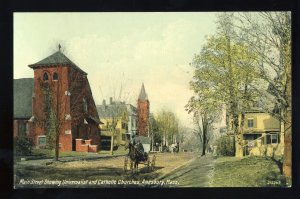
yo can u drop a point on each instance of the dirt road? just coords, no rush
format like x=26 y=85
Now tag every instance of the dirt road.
x=101 y=172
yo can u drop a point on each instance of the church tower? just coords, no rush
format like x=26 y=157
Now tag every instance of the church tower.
x=143 y=110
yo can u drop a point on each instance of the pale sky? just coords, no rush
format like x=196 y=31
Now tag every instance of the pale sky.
x=117 y=49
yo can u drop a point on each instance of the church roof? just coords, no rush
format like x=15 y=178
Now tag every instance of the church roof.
x=23 y=91
x=56 y=58
x=143 y=95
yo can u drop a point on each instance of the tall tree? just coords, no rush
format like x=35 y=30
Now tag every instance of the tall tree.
x=269 y=34
x=223 y=73
x=117 y=110
x=168 y=126
x=155 y=135
x=118 y=113
x=205 y=113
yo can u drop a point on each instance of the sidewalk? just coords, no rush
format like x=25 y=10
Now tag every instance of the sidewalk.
x=198 y=172
x=48 y=161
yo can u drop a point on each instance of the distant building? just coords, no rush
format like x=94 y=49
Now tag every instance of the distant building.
x=125 y=118
x=23 y=92
x=146 y=142
x=58 y=95
x=143 y=111
x=132 y=119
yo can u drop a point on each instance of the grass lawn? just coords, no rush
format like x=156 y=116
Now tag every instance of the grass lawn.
x=46 y=153
x=49 y=154
x=247 y=172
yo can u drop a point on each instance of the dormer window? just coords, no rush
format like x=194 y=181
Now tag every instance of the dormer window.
x=55 y=76
x=45 y=77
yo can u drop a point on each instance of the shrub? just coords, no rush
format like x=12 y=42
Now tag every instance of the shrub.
x=23 y=145
x=225 y=146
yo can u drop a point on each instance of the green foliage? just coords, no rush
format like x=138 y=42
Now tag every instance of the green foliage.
x=51 y=131
x=23 y=145
x=51 y=121
x=224 y=72
x=167 y=124
x=225 y=146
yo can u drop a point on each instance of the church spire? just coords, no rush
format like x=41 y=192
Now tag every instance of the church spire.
x=143 y=95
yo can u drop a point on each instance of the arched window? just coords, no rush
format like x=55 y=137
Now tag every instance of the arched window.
x=45 y=76
x=85 y=105
x=55 y=76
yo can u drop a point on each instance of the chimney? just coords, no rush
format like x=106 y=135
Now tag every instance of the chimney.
x=110 y=100
x=104 y=103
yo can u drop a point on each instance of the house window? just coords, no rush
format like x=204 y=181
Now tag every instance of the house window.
x=124 y=126
x=273 y=138
x=123 y=137
x=55 y=76
x=42 y=140
x=250 y=123
x=45 y=77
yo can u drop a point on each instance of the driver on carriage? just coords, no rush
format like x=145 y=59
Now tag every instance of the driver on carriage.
x=140 y=148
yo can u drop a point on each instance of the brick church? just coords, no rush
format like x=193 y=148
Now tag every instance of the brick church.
x=143 y=111
x=62 y=101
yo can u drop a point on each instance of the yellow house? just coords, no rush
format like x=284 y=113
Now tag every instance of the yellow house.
x=120 y=130
x=113 y=114
x=261 y=135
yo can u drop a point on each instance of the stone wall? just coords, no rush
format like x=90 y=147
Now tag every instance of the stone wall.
x=85 y=146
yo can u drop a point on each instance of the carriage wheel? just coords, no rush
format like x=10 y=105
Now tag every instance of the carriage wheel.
x=125 y=164
x=153 y=162
x=131 y=165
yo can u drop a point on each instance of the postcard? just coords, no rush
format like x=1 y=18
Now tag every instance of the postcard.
x=152 y=99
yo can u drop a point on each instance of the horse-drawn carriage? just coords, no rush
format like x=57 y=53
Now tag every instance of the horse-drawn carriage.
x=135 y=157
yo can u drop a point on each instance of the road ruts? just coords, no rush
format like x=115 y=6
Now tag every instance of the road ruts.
x=196 y=174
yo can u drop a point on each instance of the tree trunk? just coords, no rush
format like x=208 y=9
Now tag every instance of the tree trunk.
x=239 y=150
x=203 y=149
x=57 y=146
x=112 y=143
x=287 y=162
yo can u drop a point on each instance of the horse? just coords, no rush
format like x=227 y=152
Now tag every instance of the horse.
x=134 y=155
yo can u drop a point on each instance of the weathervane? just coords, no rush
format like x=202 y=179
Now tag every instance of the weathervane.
x=59 y=47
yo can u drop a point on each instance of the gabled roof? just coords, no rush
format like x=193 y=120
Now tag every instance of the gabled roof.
x=111 y=110
x=23 y=91
x=54 y=59
x=143 y=95
x=90 y=118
